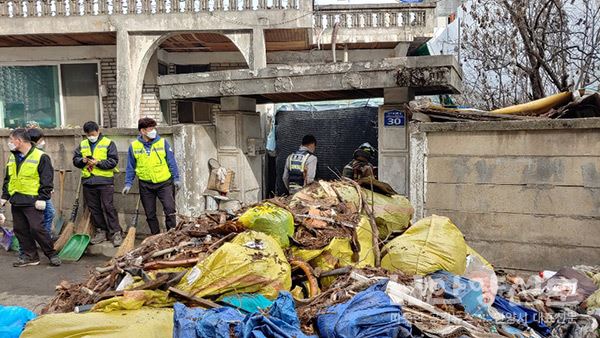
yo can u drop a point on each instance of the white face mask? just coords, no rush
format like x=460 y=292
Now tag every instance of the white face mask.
x=152 y=134
x=93 y=139
x=41 y=145
x=12 y=146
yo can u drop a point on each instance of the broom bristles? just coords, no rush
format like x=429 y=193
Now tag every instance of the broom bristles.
x=64 y=237
x=128 y=243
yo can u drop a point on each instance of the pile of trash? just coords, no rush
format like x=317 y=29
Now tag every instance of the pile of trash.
x=335 y=260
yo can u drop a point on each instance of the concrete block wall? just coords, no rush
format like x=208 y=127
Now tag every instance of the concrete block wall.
x=108 y=76
x=150 y=103
x=526 y=195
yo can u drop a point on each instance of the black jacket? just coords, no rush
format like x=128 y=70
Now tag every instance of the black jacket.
x=46 y=173
x=112 y=159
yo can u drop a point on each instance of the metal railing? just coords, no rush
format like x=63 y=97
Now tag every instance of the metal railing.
x=371 y=18
x=43 y=8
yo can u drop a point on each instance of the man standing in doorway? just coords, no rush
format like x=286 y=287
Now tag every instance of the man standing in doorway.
x=151 y=158
x=97 y=157
x=301 y=166
x=28 y=185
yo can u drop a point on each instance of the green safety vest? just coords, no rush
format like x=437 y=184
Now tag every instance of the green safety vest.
x=27 y=180
x=151 y=167
x=100 y=154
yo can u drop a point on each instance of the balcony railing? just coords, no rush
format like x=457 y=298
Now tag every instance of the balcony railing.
x=372 y=17
x=39 y=8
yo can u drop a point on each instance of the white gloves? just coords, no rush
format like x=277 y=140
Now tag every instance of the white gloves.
x=40 y=205
x=2 y=219
x=126 y=190
x=3 y=202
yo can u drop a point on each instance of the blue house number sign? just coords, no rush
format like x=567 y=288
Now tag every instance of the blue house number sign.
x=393 y=118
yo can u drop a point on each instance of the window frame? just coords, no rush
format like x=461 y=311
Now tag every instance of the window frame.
x=61 y=103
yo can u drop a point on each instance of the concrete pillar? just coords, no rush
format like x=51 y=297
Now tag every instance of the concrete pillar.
x=133 y=54
x=241 y=146
x=418 y=163
x=393 y=139
x=252 y=46
x=194 y=145
x=258 y=59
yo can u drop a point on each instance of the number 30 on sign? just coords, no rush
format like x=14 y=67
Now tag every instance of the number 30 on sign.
x=393 y=118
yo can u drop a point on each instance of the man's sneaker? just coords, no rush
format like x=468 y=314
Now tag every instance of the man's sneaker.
x=99 y=237
x=117 y=239
x=24 y=261
x=55 y=260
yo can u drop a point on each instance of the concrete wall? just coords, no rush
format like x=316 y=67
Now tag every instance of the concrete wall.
x=525 y=194
x=194 y=145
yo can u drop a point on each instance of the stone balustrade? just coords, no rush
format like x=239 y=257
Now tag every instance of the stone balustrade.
x=43 y=8
x=373 y=17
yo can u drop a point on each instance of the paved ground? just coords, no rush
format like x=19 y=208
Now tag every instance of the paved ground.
x=32 y=287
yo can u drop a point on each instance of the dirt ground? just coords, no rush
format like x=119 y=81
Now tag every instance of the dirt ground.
x=32 y=287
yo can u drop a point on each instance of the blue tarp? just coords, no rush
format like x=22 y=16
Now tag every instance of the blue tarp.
x=463 y=291
x=522 y=315
x=281 y=321
x=13 y=320
x=370 y=313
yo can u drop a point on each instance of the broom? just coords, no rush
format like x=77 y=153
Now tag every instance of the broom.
x=129 y=241
x=69 y=229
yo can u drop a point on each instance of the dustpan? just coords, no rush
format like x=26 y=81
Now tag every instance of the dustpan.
x=75 y=247
x=78 y=243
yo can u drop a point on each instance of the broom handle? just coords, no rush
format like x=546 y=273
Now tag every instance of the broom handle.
x=76 y=203
x=137 y=213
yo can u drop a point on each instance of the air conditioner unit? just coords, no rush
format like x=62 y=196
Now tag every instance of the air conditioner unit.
x=194 y=112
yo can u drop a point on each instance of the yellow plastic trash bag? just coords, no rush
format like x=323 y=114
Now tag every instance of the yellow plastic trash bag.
x=252 y=262
x=340 y=249
x=431 y=244
x=134 y=300
x=147 y=323
x=593 y=301
x=392 y=214
x=339 y=252
x=271 y=220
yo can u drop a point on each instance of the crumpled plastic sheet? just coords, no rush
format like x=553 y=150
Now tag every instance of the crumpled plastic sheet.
x=521 y=314
x=13 y=320
x=371 y=313
x=281 y=321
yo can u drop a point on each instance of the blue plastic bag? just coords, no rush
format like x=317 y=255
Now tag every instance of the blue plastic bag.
x=463 y=291
x=280 y=322
x=522 y=315
x=197 y=322
x=370 y=313
x=13 y=320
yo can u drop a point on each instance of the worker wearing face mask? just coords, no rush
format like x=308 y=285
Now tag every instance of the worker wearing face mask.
x=152 y=160
x=97 y=157
x=27 y=186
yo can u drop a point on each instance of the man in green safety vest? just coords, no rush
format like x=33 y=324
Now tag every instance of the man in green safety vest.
x=27 y=186
x=97 y=157
x=152 y=160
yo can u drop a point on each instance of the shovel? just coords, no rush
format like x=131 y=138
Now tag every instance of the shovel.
x=67 y=231
x=79 y=242
x=61 y=219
